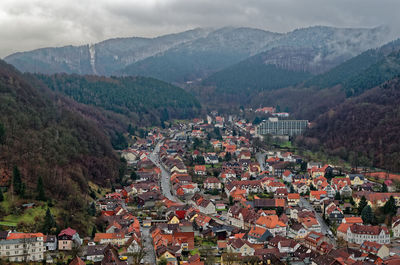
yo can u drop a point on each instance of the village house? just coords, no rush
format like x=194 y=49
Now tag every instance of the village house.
x=287 y=176
x=380 y=250
x=68 y=239
x=113 y=238
x=334 y=213
x=396 y=228
x=238 y=245
x=273 y=224
x=200 y=170
x=313 y=240
x=212 y=183
x=293 y=199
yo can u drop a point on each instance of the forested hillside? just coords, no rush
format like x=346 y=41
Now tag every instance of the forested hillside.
x=145 y=101
x=364 y=130
x=362 y=72
x=44 y=139
x=241 y=82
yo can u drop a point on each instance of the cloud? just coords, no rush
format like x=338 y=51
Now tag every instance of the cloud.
x=31 y=24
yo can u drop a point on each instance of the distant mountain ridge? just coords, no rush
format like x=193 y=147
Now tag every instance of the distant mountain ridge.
x=198 y=53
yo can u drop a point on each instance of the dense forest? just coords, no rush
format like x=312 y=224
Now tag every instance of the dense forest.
x=145 y=101
x=42 y=139
x=241 y=82
x=364 y=130
x=182 y=66
x=362 y=72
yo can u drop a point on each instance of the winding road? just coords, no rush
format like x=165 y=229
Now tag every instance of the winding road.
x=165 y=175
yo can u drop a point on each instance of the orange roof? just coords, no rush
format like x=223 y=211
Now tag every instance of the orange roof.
x=24 y=235
x=309 y=221
x=222 y=244
x=239 y=235
x=353 y=220
x=343 y=227
x=257 y=231
x=270 y=221
x=100 y=236
x=280 y=202
x=199 y=168
x=293 y=196
x=317 y=193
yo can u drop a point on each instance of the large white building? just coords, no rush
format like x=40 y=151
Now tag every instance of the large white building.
x=21 y=247
x=357 y=234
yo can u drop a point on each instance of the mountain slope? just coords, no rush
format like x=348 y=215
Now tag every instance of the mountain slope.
x=195 y=54
x=243 y=80
x=200 y=57
x=143 y=100
x=103 y=58
x=45 y=139
x=353 y=67
x=364 y=130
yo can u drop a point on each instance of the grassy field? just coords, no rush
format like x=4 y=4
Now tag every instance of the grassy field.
x=27 y=216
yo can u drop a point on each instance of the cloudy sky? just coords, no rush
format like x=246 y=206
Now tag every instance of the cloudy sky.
x=31 y=24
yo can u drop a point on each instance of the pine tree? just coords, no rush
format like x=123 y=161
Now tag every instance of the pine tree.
x=94 y=231
x=390 y=207
x=2 y=134
x=384 y=188
x=40 y=190
x=17 y=182
x=49 y=222
x=1 y=196
x=366 y=215
x=362 y=204
x=92 y=209
x=337 y=196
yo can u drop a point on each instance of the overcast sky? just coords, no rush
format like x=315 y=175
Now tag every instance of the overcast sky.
x=31 y=24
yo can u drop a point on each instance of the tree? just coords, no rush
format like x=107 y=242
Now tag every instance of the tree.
x=390 y=207
x=49 y=222
x=384 y=187
x=230 y=200
x=17 y=182
x=362 y=204
x=134 y=176
x=367 y=215
x=92 y=209
x=337 y=196
x=40 y=190
x=1 y=196
x=228 y=156
x=94 y=231
x=2 y=134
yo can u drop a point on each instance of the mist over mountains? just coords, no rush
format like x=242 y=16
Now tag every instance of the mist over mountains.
x=198 y=53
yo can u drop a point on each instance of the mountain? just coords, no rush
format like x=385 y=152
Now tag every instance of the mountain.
x=45 y=139
x=240 y=82
x=364 y=130
x=196 y=54
x=356 y=68
x=103 y=58
x=200 y=57
x=141 y=100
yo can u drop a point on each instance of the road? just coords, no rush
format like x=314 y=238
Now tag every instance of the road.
x=150 y=257
x=261 y=160
x=165 y=176
x=324 y=227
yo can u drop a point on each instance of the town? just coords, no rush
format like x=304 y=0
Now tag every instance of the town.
x=225 y=190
